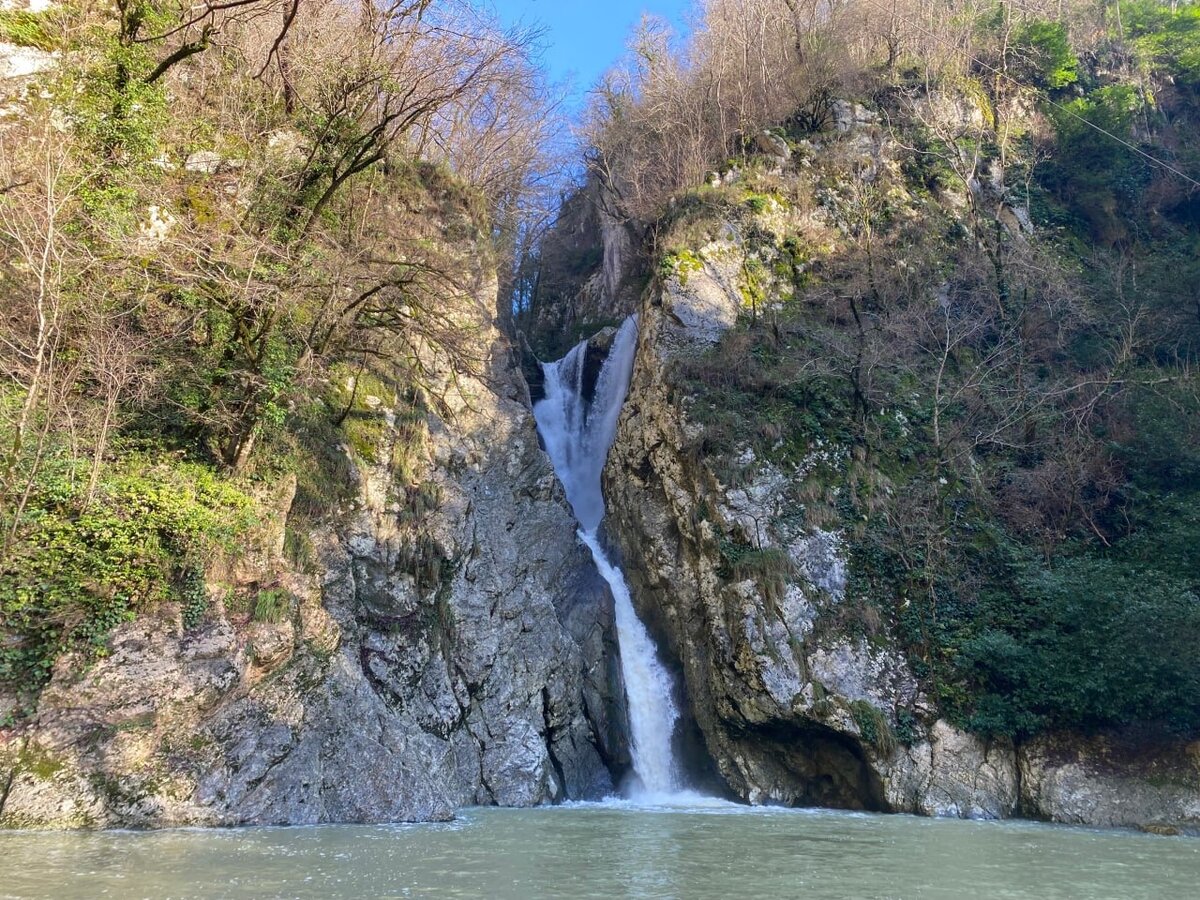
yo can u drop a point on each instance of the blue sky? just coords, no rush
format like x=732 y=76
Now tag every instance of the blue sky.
x=585 y=37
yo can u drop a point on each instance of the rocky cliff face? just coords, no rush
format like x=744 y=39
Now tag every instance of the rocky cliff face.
x=589 y=272
x=794 y=706
x=461 y=655
x=17 y=63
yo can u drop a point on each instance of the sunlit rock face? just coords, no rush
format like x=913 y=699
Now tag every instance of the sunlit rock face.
x=769 y=697
x=432 y=656
x=591 y=272
x=18 y=63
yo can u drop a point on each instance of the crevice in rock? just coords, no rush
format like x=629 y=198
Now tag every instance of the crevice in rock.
x=8 y=783
x=617 y=764
x=700 y=770
x=483 y=779
x=381 y=687
x=598 y=348
x=531 y=369
x=548 y=736
x=1022 y=808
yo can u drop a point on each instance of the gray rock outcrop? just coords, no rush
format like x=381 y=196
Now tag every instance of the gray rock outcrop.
x=460 y=654
x=19 y=63
x=1113 y=780
x=589 y=271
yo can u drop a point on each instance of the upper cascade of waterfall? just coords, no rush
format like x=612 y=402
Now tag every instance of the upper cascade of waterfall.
x=578 y=432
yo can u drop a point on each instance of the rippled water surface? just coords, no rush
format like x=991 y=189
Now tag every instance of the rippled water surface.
x=608 y=851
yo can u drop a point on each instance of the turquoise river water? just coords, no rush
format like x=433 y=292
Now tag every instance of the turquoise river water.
x=609 y=851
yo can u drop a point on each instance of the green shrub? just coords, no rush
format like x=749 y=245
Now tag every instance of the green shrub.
x=1043 y=55
x=1109 y=108
x=760 y=203
x=680 y=264
x=927 y=170
x=1098 y=178
x=1166 y=535
x=907 y=728
x=28 y=29
x=75 y=569
x=1162 y=451
x=272 y=606
x=1089 y=643
x=1165 y=37
x=193 y=593
x=874 y=727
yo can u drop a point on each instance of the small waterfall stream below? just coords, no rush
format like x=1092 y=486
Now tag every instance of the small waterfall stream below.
x=578 y=433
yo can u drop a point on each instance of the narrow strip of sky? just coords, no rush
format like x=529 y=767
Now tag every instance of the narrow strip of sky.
x=585 y=37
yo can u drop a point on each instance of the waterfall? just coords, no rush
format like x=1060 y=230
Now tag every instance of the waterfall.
x=578 y=435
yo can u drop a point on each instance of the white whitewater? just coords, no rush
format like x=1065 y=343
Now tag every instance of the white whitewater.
x=578 y=435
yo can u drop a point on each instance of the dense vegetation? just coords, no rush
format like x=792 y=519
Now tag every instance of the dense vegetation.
x=222 y=227
x=971 y=323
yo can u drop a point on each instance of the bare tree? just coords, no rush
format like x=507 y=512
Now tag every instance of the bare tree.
x=40 y=260
x=117 y=362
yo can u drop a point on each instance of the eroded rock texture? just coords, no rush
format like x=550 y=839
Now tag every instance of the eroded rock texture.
x=591 y=271
x=457 y=656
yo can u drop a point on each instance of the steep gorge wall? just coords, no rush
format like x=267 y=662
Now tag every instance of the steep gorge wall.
x=448 y=641
x=590 y=272
x=793 y=706
x=384 y=692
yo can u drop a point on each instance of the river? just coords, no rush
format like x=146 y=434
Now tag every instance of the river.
x=607 y=851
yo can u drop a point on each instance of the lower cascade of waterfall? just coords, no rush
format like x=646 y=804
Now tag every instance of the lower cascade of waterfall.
x=578 y=434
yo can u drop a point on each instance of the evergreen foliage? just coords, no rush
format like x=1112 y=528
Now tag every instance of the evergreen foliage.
x=76 y=566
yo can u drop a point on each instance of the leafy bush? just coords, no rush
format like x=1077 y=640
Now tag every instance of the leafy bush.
x=117 y=117
x=272 y=606
x=1165 y=37
x=193 y=593
x=907 y=728
x=1099 y=178
x=1166 y=536
x=1162 y=451
x=27 y=29
x=75 y=569
x=1088 y=643
x=1109 y=108
x=1044 y=56
x=873 y=726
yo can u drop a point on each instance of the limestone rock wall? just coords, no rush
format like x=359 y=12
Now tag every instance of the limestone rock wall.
x=1146 y=781
x=383 y=694
x=590 y=272
x=789 y=706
